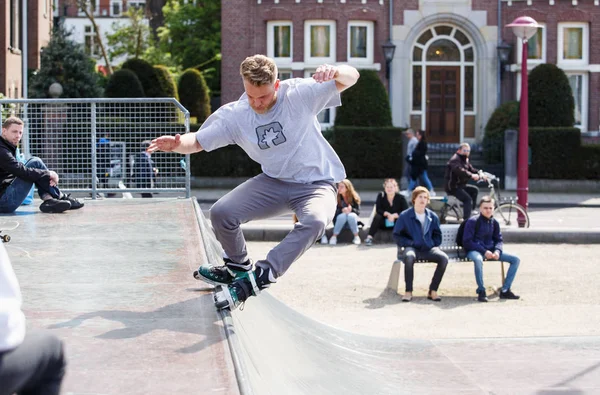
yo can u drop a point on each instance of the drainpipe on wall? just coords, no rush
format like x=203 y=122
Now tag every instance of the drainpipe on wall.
x=24 y=59
x=498 y=76
x=391 y=23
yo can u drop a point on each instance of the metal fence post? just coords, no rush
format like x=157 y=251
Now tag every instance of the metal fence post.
x=93 y=150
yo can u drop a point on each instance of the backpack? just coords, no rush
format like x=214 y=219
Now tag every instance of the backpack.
x=461 y=231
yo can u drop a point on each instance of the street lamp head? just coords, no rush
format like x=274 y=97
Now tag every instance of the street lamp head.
x=503 y=52
x=388 y=51
x=524 y=27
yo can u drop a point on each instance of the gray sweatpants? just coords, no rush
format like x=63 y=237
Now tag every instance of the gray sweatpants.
x=35 y=367
x=264 y=197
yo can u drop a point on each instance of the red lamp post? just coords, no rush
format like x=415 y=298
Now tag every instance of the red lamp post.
x=523 y=27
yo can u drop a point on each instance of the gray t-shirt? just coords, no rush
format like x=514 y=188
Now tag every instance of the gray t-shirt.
x=286 y=141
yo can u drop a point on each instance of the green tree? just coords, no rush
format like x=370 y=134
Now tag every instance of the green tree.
x=192 y=31
x=167 y=84
x=65 y=62
x=131 y=39
x=506 y=116
x=147 y=76
x=551 y=100
x=366 y=103
x=194 y=94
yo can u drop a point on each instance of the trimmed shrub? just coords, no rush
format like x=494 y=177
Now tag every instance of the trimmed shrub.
x=147 y=76
x=554 y=153
x=365 y=104
x=506 y=116
x=194 y=95
x=369 y=152
x=166 y=81
x=124 y=83
x=551 y=102
x=589 y=167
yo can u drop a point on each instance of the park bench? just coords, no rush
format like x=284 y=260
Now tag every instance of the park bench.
x=449 y=246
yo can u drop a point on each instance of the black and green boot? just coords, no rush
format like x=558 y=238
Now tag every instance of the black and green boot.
x=225 y=274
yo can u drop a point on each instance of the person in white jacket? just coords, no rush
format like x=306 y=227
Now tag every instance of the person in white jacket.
x=30 y=363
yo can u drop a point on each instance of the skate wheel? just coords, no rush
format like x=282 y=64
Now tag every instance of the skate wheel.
x=222 y=304
x=6 y=238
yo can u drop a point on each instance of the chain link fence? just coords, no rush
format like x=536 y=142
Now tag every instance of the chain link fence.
x=98 y=145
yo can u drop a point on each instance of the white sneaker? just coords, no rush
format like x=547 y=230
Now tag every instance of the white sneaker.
x=356 y=240
x=324 y=239
x=333 y=241
x=432 y=193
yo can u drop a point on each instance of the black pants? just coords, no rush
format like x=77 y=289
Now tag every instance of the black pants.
x=35 y=367
x=468 y=196
x=378 y=223
x=434 y=255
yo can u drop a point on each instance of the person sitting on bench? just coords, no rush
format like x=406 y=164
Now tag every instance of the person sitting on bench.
x=417 y=230
x=482 y=239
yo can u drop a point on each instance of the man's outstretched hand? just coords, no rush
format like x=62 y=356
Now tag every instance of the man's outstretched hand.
x=164 y=143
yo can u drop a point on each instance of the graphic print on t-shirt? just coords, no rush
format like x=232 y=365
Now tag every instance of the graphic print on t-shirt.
x=270 y=135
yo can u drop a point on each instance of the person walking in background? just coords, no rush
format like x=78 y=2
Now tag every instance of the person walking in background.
x=276 y=124
x=388 y=206
x=419 y=165
x=418 y=232
x=144 y=172
x=346 y=213
x=458 y=171
x=16 y=178
x=482 y=239
x=30 y=363
x=410 y=147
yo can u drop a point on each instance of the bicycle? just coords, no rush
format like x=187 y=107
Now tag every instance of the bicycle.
x=506 y=210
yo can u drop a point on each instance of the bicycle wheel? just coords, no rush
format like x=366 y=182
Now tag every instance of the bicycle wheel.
x=507 y=215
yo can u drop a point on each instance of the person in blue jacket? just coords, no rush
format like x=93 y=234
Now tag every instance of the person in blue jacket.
x=418 y=232
x=482 y=239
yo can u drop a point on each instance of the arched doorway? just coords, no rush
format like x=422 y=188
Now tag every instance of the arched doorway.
x=443 y=84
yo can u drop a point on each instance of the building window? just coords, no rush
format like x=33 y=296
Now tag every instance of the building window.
x=327 y=116
x=92 y=8
x=91 y=45
x=360 y=42
x=578 y=82
x=279 y=41
x=15 y=17
x=136 y=4
x=536 y=47
x=319 y=42
x=285 y=74
x=115 y=8
x=573 y=43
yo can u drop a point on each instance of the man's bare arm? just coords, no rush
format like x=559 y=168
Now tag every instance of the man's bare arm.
x=182 y=144
x=345 y=76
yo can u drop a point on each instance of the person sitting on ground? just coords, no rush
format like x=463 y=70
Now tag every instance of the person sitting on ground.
x=418 y=232
x=419 y=165
x=17 y=178
x=458 y=171
x=32 y=362
x=346 y=213
x=482 y=239
x=388 y=206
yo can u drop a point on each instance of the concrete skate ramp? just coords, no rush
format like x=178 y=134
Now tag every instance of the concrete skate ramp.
x=277 y=350
x=284 y=352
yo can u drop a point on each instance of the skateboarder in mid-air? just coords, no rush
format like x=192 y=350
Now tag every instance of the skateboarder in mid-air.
x=275 y=123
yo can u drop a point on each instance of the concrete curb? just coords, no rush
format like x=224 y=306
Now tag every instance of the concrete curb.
x=517 y=236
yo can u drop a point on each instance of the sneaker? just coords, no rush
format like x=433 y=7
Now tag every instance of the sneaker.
x=54 y=206
x=75 y=204
x=508 y=295
x=356 y=240
x=432 y=193
x=324 y=239
x=333 y=241
x=220 y=275
x=482 y=297
x=369 y=241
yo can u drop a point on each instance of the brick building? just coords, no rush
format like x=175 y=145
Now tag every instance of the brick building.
x=445 y=76
x=39 y=26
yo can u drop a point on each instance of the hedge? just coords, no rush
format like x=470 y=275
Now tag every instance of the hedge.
x=555 y=153
x=365 y=152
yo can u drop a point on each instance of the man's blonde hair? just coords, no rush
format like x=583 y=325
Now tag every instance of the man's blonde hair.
x=12 y=120
x=417 y=191
x=259 y=70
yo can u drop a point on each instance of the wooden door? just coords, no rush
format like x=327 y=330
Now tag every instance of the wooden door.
x=443 y=104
